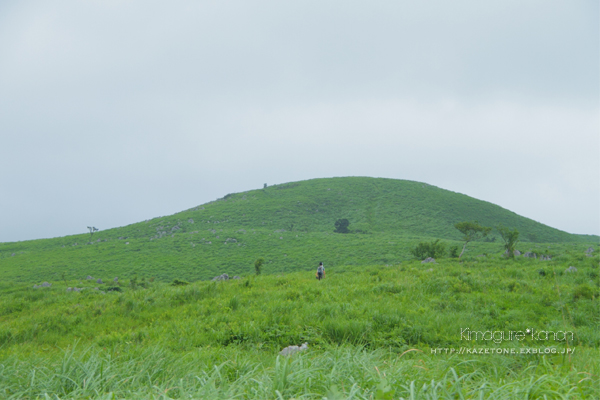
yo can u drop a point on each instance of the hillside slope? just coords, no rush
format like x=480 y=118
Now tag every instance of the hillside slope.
x=291 y=225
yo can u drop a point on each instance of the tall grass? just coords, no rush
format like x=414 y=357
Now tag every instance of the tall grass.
x=347 y=372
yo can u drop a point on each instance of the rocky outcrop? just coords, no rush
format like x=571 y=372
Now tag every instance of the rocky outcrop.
x=428 y=260
x=290 y=350
x=223 y=277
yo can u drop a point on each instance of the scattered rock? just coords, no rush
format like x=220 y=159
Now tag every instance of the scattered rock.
x=589 y=250
x=530 y=255
x=428 y=260
x=236 y=277
x=223 y=277
x=571 y=269
x=12 y=255
x=190 y=221
x=89 y=277
x=99 y=281
x=290 y=350
x=116 y=280
x=515 y=253
x=44 y=284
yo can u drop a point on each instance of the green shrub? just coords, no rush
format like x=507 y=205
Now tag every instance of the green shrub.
x=433 y=249
x=179 y=282
x=454 y=252
x=258 y=264
x=583 y=291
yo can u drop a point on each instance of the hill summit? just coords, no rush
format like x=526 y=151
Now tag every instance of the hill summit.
x=291 y=225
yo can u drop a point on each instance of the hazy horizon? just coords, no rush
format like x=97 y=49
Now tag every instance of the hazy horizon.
x=112 y=113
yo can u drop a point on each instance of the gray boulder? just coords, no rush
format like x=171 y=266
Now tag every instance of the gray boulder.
x=530 y=255
x=428 y=260
x=223 y=277
x=290 y=350
x=116 y=280
x=236 y=277
x=571 y=269
x=89 y=277
x=545 y=258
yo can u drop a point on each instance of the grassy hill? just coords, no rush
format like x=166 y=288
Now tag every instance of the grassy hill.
x=380 y=326
x=290 y=225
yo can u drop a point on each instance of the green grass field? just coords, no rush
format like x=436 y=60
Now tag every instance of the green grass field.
x=382 y=325
x=372 y=331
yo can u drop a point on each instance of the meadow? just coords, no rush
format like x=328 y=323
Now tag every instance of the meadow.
x=373 y=332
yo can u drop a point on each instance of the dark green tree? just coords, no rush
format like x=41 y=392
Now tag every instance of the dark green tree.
x=93 y=230
x=471 y=231
x=258 y=264
x=341 y=226
x=510 y=237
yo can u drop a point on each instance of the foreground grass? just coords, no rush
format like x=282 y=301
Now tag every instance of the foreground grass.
x=372 y=332
x=347 y=372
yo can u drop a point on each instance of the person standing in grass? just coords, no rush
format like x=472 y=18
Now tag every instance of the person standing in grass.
x=320 y=271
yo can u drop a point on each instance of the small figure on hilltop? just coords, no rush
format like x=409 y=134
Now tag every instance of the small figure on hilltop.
x=320 y=271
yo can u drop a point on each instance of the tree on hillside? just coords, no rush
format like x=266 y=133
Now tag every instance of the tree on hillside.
x=341 y=226
x=92 y=229
x=471 y=231
x=510 y=237
x=257 y=264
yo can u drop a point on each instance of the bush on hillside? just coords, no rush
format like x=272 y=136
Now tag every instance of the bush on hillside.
x=258 y=264
x=179 y=282
x=341 y=226
x=454 y=252
x=433 y=249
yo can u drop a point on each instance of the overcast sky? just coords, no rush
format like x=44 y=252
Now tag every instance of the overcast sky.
x=113 y=112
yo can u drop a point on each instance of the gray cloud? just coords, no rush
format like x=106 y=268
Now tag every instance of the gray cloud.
x=114 y=112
